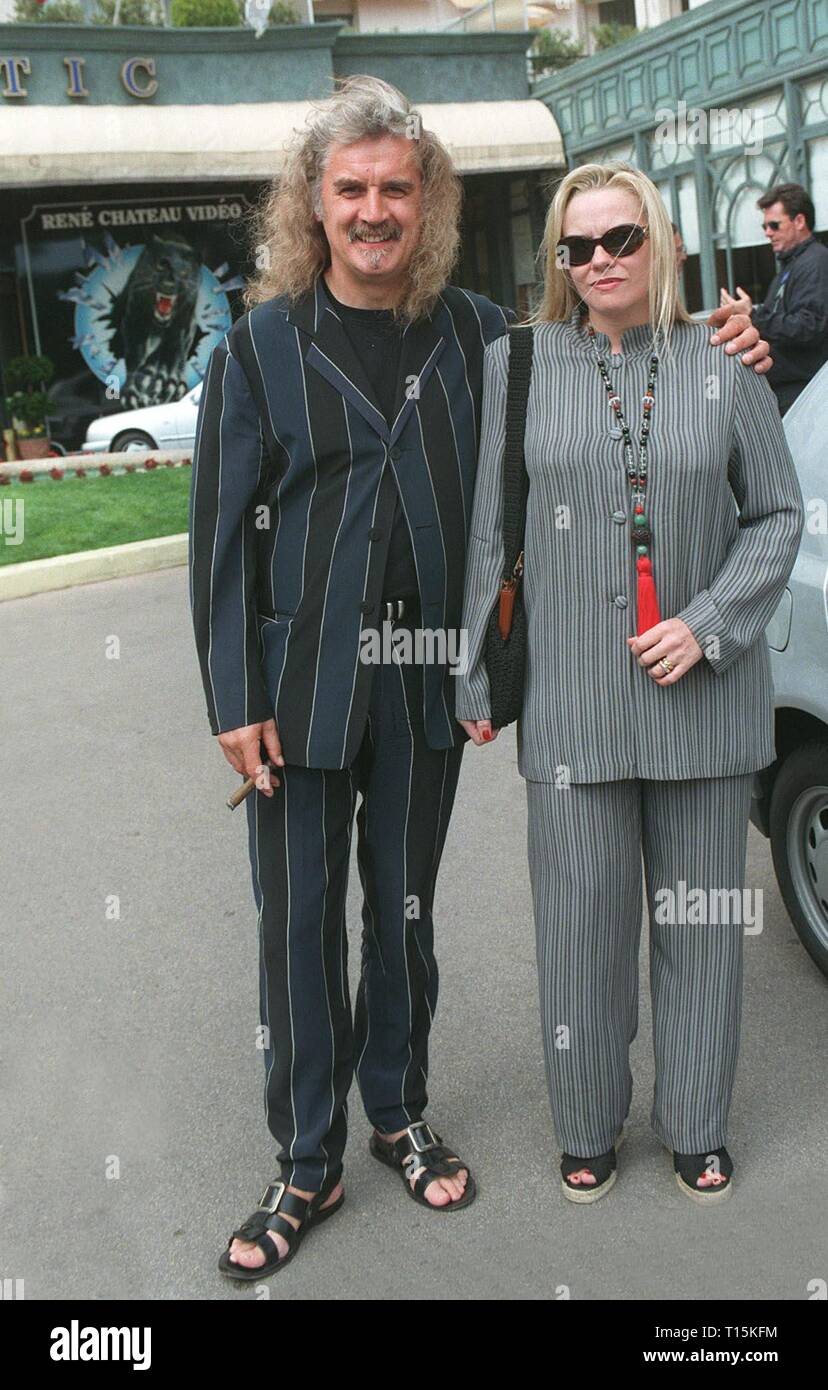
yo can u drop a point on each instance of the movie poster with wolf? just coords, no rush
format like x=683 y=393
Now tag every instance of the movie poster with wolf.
x=128 y=297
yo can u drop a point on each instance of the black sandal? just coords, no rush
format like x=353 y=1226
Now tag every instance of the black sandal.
x=276 y=1199
x=689 y=1168
x=603 y=1168
x=420 y=1147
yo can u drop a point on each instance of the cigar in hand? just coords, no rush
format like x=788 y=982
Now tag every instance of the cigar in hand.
x=247 y=786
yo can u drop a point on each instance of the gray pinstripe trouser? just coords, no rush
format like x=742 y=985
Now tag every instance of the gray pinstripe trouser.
x=300 y=843
x=585 y=847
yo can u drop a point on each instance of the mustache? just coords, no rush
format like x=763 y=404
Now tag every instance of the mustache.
x=387 y=231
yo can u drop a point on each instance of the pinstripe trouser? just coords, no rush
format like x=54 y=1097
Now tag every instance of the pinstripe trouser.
x=585 y=848
x=299 y=850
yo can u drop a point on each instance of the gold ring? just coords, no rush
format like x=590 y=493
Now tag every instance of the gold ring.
x=666 y=665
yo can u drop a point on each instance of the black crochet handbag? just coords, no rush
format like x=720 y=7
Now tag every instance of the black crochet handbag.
x=505 y=648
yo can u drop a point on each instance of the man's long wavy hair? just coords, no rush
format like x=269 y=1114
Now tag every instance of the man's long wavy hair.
x=290 y=245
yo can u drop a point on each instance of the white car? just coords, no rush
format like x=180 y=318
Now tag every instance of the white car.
x=791 y=796
x=170 y=426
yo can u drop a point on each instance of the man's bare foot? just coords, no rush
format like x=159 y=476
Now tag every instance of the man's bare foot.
x=442 y=1190
x=251 y=1255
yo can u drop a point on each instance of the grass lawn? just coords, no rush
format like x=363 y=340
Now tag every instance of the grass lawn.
x=60 y=518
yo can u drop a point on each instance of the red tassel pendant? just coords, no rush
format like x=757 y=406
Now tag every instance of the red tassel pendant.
x=648 y=614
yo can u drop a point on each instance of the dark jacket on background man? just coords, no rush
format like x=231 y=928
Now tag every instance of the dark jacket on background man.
x=794 y=319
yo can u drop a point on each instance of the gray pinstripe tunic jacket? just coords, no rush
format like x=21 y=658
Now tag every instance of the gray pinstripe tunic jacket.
x=726 y=514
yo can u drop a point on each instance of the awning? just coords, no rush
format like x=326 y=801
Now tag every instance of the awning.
x=486 y=136
x=47 y=145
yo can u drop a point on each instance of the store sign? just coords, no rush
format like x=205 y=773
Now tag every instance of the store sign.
x=137 y=76
x=129 y=298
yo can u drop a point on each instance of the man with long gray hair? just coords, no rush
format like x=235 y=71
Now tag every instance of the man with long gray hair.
x=332 y=487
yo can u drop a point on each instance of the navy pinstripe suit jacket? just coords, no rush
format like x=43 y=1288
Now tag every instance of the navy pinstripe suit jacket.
x=295 y=471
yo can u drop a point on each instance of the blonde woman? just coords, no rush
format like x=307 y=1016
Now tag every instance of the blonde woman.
x=662 y=522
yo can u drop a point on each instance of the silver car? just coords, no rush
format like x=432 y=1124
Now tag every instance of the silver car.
x=170 y=426
x=791 y=796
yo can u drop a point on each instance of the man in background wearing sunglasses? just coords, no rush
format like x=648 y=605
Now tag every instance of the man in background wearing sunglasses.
x=794 y=316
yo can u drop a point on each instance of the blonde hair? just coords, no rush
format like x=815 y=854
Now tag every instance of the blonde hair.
x=291 y=243
x=560 y=298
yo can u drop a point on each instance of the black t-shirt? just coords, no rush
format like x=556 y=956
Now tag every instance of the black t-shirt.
x=377 y=341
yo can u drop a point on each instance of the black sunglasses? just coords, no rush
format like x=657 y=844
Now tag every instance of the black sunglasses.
x=618 y=241
x=771 y=226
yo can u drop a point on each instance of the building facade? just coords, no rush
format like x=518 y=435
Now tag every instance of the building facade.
x=717 y=106
x=131 y=160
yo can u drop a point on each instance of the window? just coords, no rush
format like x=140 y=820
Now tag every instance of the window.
x=617 y=12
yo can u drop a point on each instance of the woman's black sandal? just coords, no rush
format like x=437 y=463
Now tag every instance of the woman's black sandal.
x=275 y=1200
x=689 y=1168
x=420 y=1147
x=603 y=1168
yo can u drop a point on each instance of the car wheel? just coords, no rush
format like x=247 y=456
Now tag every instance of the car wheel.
x=131 y=440
x=799 y=843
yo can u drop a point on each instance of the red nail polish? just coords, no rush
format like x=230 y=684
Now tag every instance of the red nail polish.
x=486 y=734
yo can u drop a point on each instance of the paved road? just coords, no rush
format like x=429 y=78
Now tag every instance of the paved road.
x=130 y=1045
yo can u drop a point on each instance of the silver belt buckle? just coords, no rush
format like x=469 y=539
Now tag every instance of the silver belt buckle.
x=390 y=604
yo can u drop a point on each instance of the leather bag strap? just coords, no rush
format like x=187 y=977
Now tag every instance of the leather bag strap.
x=515 y=478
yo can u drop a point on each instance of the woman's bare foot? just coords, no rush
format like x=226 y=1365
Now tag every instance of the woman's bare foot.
x=439 y=1192
x=251 y=1255
x=710 y=1179
x=583 y=1178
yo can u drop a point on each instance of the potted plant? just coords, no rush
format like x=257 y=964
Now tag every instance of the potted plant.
x=27 y=381
x=552 y=50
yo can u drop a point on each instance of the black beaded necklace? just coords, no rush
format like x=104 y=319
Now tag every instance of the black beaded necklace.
x=641 y=533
